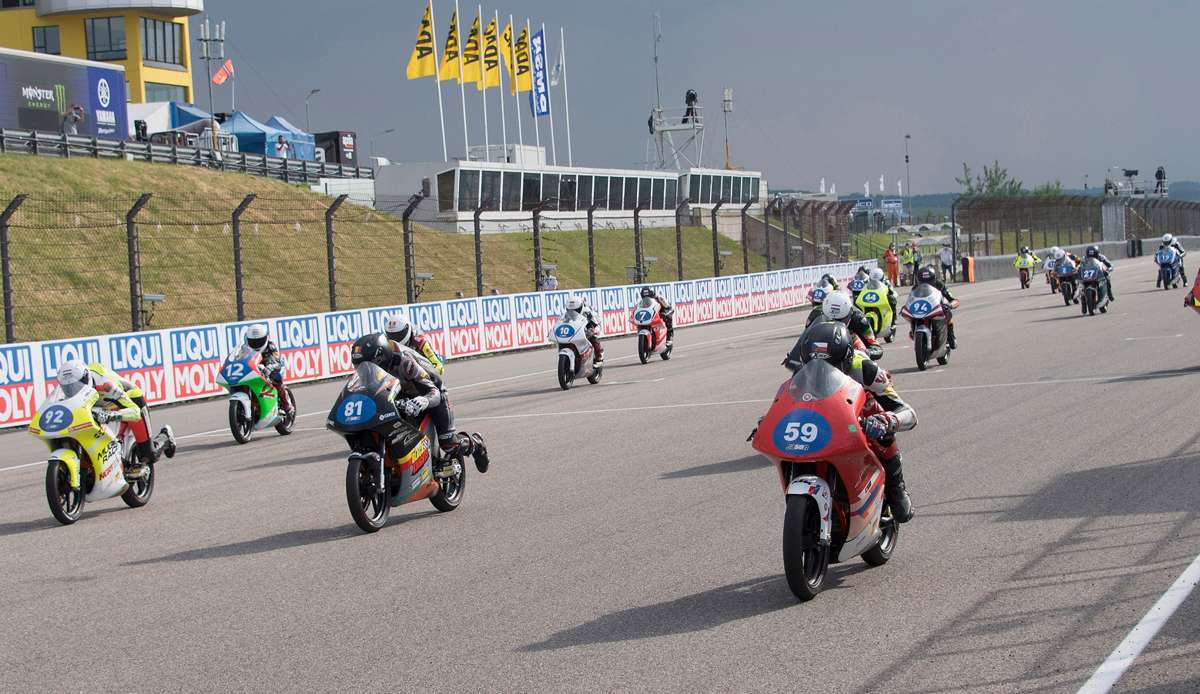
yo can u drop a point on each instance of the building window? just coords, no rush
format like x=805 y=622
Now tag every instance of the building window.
x=693 y=189
x=165 y=92
x=643 y=200
x=445 y=191
x=566 y=193
x=613 y=199
x=11 y=4
x=630 y=193
x=162 y=42
x=656 y=200
x=489 y=199
x=706 y=189
x=754 y=189
x=511 y=193
x=105 y=38
x=468 y=190
x=585 y=192
x=726 y=188
x=746 y=196
x=45 y=40
x=736 y=195
x=532 y=194
x=671 y=203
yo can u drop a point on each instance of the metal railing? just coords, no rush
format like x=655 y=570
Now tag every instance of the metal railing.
x=67 y=146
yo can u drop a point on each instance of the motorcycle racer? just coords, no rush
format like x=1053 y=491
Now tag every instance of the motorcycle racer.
x=402 y=333
x=885 y=414
x=120 y=399
x=927 y=275
x=666 y=310
x=840 y=309
x=579 y=305
x=272 y=364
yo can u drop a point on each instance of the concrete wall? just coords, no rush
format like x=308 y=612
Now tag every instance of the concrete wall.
x=1001 y=267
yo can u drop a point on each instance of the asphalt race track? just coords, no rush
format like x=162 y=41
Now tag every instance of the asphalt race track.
x=627 y=538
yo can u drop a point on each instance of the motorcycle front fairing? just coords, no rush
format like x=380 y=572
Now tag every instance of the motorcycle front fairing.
x=571 y=336
x=65 y=423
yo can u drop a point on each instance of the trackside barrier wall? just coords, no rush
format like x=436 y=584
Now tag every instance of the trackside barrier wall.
x=178 y=364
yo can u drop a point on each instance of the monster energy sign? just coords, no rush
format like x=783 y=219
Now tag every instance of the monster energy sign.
x=37 y=92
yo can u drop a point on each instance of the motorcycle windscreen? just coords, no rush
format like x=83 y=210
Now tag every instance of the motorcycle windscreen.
x=1091 y=271
x=817 y=380
x=365 y=402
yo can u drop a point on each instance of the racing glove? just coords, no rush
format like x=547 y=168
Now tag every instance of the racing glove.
x=878 y=426
x=105 y=416
x=415 y=406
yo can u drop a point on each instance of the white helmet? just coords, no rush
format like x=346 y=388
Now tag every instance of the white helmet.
x=1167 y=239
x=837 y=306
x=876 y=275
x=574 y=303
x=256 y=336
x=1059 y=254
x=397 y=329
x=72 y=371
x=1054 y=251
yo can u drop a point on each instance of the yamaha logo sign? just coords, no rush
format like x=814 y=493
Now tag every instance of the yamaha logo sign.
x=103 y=94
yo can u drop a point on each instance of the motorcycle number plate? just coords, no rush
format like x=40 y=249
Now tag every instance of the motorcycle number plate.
x=802 y=432
x=643 y=316
x=55 y=419
x=1089 y=274
x=920 y=307
x=870 y=298
x=818 y=295
x=235 y=371
x=355 y=409
x=564 y=332
x=856 y=285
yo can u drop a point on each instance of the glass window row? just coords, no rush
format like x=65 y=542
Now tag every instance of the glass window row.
x=706 y=189
x=515 y=191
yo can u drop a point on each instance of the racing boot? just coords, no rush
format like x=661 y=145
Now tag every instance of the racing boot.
x=599 y=350
x=285 y=399
x=164 y=443
x=949 y=336
x=895 y=491
x=453 y=448
x=479 y=453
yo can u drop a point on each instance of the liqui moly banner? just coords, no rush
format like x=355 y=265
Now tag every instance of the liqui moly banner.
x=179 y=364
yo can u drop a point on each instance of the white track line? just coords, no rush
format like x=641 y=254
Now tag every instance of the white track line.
x=525 y=415
x=1122 y=658
x=1154 y=337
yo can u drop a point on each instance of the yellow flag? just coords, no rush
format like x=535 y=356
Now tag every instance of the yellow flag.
x=423 y=61
x=523 y=77
x=506 y=48
x=491 y=58
x=470 y=55
x=450 y=69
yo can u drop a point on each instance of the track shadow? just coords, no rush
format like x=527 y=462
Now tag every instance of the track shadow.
x=48 y=523
x=270 y=543
x=335 y=456
x=691 y=613
x=1073 y=313
x=746 y=464
x=1155 y=375
x=526 y=392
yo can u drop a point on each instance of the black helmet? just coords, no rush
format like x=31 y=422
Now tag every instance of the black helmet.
x=827 y=279
x=375 y=348
x=1024 y=250
x=926 y=275
x=648 y=292
x=1093 y=251
x=829 y=340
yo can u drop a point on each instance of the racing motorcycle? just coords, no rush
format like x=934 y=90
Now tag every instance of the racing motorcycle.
x=1051 y=275
x=651 y=330
x=1168 y=267
x=1024 y=275
x=253 y=400
x=88 y=458
x=856 y=286
x=576 y=358
x=875 y=306
x=929 y=328
x=391 y=457
x=832 y=477
x=1067 y=275
x=1095 y=287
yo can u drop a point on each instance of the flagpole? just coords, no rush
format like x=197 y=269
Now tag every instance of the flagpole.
x=437 y=80
x=537 y=131
x=462 y=89
x=500 y=75
x=549 y=102
x=487 y=143
x=562 y=46
x=233 y=87
x=512 y=49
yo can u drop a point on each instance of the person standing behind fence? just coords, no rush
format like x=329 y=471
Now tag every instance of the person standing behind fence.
x=281 y=148
x=946 y=258
x=71 y=120
x=906 y=259
x=915 y=260
x=1160 y=180
x=893 y=264
x=549 y=282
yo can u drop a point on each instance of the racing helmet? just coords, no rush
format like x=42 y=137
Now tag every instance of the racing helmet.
x=1054 y=251
x=1093 y=251
x=837 y=306
x=1167 y=239
x=827 y=279
x=575 y=302
x=648 y=292
x=876 y=275
x=374 y=347
x=73 y=371
x=826 y=340
x=1059 y=254
x=926 y=275
x=1024 y=250
x=397 y=329
x=256 y=336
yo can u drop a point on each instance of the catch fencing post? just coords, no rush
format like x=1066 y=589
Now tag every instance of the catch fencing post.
x=591 y=239
x=135 y=263
x=679 y=240
x=329 y=265
x=6 y=270
x=787 y=239
x=537 y=249
x=239 y=289
x=716 y=242
x=745 y=245
x=410 y=280
x=637 y=245
x=478 y=253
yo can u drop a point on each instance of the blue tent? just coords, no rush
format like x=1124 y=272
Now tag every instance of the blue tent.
x=182 y=114
x=253 y=137
x=304 y=145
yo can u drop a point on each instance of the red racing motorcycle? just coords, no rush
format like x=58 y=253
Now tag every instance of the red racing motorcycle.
x=651 y=330
x=831 y=475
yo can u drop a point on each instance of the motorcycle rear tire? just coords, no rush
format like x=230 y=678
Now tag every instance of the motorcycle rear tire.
x=139 y=492
x=60 y=496
x=643 y=348
x=448 y=497
x=285 y=425
x=880 y=553
x=943 y=360
x=564 y=372
x=242 y=430
x=666 y=353
x=597 y=374
x=370 y=520
x=805 y=561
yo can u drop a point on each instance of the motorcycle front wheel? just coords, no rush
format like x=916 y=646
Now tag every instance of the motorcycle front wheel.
x=643 y=348
x=805 y=560
x=240 y=426
x=368 y=501
x=564 y=372
x=66 y=504
x=922 y=352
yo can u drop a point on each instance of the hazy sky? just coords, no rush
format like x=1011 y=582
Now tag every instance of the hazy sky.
x=1053 y=90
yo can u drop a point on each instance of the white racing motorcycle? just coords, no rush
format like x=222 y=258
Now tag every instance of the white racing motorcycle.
x=576 y=358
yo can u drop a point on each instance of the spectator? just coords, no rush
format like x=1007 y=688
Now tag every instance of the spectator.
x=1160 y=180
x=946 y=258
x=71 y=120
x=690 y=99
x=281 y=148
x=549 y=282
x=893 y=264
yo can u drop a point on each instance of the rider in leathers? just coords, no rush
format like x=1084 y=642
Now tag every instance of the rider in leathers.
x=665 y=310
x=579 y=305
x=1169 y=241
x=1094 y=252
x=885 y=413
x=837 y=307
x=927 y=275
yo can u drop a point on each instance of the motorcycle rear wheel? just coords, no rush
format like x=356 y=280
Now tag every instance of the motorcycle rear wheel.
x=643 y=348
x=369 y=505
x=138 y=494
x=564 y=372
x=805 y=560
x=66 y=504
x=451 y=490
x=597 y=374
x=880 y=553
x=241 y=428
x=284 y=426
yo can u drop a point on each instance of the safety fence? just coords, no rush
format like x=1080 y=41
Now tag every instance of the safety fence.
x=178 y=364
